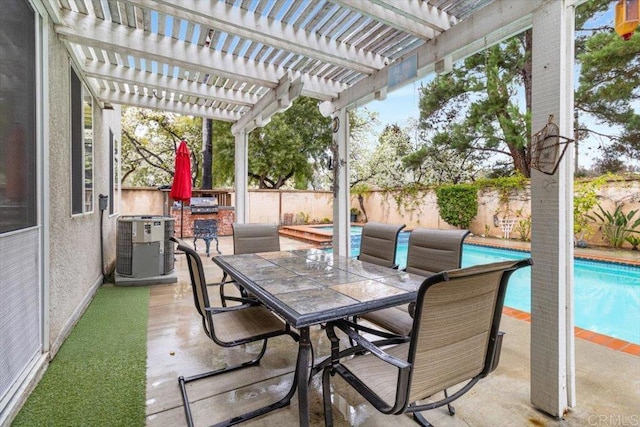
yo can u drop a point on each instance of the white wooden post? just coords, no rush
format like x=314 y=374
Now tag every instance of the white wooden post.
x=552 y=339
x=341 y=198
x=241 y=171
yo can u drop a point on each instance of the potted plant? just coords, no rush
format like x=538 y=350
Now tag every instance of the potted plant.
x=354 y=214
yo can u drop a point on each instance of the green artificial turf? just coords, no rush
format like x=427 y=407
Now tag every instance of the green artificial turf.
x=98 y=377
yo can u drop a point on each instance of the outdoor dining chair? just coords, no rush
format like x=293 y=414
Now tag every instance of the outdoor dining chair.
x=430 y=251
x=455 y=342
x=378 y=243
x=231 y=327
x=249 y=239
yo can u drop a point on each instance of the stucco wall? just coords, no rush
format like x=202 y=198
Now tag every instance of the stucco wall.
x=271 y=206
x=143 y=201
x=420 y=210
x=74 y=252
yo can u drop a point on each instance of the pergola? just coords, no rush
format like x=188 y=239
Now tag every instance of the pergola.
x=242 y=61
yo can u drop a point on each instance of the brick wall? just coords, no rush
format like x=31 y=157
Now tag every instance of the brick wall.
x=224 y=216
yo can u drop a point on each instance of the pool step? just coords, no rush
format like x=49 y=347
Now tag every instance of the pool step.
x=305 y=234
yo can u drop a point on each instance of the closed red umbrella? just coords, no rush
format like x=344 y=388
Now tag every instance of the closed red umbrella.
x=181 y=187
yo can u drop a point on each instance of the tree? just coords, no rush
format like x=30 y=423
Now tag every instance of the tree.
x=149 y=142
x=475 y=107
x=285 y=152
x=609 y=82
x=405 y=157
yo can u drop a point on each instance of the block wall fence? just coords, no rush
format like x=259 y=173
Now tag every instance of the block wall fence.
x=290 y=207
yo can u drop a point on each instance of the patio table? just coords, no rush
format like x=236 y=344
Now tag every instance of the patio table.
x=309 y=287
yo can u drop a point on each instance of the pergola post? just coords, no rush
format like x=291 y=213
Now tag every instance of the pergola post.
x=241 y=171
x=341 y=194
x=552 y=339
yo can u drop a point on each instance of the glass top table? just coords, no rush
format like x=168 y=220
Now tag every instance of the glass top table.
x=309 y=286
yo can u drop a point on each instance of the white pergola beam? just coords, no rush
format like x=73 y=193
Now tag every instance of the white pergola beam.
x=419 y=11
x=143 y=101
x=131 y=76
x=493 y=23
x=278 y=99
x=248 y=25
x=412 y=17
x=86 y=30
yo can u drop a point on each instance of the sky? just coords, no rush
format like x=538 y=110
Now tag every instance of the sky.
x=401 y=106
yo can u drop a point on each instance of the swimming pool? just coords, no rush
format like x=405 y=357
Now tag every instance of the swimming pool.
x=606 y=295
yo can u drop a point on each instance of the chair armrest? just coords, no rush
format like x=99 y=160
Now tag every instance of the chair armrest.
x=214 y=310
x=390 y=338
x=368 y=345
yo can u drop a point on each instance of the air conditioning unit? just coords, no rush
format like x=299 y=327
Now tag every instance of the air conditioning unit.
x=144 y=250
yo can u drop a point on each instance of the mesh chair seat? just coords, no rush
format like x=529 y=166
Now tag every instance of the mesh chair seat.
x=394 y=319
x=377 y=374
x=455 y=340
x=230 y=327
x=255 y=238
x=237 y=325
x=378 y=243
x=250 y=239
x=430 y=251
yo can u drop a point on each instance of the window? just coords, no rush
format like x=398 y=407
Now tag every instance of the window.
x=18 y=155
x=81 y=147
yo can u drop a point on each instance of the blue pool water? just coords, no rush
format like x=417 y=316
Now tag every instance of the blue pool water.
x=606 y=295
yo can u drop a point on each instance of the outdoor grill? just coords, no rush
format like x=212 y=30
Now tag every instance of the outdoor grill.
x=204 y=205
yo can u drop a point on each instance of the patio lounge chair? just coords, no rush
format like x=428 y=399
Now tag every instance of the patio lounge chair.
x=250 y=239
x=230 y=327
x=378 y=243
x=430 y=251
x=455 y=342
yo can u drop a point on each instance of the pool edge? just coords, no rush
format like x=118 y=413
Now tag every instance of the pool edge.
x=585 y=334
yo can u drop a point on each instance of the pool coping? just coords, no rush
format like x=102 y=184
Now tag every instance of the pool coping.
x=590 y=254
x=585 y=334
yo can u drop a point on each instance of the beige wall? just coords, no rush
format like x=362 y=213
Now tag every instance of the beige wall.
x=271 y=206
x=415 y=211
x=74 y=252
x=143 y=201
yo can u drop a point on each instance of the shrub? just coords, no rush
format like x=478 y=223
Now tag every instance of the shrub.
x=634 y=241
x=458 y=204
x=616 y=226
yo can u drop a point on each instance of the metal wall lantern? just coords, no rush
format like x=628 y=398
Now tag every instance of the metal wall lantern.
x=627 y=17
x=548 y=147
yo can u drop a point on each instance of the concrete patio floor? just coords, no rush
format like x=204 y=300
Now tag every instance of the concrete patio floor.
x=607 y=381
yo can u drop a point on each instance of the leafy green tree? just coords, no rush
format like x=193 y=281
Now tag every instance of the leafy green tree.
x=149 y=142
x=609 y=82
x=394 y=144
x=363 y=170
x=475 y=107
x=285 y=152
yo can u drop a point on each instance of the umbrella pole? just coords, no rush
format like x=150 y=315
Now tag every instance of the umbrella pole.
x=181 y=217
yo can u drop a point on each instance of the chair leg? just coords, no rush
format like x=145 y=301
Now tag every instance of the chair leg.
x=420 y=419
x=285 y=401
x=452 y=410
x=326 y=397
x=222 y=282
